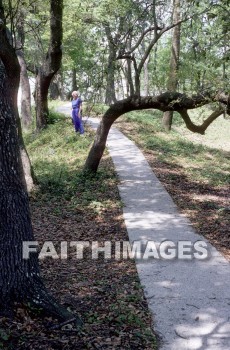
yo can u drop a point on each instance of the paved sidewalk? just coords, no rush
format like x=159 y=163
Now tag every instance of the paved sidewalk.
x=189 y=299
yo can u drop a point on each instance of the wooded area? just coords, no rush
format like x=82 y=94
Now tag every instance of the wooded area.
x=172 y=56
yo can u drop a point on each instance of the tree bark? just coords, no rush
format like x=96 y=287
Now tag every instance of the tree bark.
x=174 y=63
x=74 y=80
x=42 y=84
x=11 y=64
x=110 y=95
x=19 y=278
x=50 y=65
x=146 y=77
x=54 y=90
x=56 y=87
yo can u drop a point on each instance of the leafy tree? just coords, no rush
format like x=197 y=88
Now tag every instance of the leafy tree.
x=169 y=101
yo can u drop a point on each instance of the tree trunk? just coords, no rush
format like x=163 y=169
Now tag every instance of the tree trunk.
x=110 y=95
x=19 y=278
x=16 y=275
x=11 y=63
x=146 y=77
x=174 y=63
x=27 y=166
x=50 y=65
x=54 y=88
x=74 y=80
x=41 y=99
x=26 y=115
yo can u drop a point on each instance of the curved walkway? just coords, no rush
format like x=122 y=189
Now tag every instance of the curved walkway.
x=189 y=299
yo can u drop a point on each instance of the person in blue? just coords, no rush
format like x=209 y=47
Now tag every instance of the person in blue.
x=76 y=113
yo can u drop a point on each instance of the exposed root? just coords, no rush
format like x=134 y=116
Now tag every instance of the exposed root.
x=40 y=300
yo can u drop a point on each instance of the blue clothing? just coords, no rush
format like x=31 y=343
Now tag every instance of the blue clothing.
x=78 y=125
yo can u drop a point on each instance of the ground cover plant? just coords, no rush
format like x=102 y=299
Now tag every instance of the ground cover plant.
x=69 y=206
x=193 y=168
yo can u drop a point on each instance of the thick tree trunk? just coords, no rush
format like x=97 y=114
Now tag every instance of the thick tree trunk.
x=174 y=63
x=11 y=63
x=20 y=280
x=16 y=274
x=41 y=99
x=50 y=65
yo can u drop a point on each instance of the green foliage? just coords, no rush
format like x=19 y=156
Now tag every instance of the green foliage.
x=94 y=109
x=55 y=117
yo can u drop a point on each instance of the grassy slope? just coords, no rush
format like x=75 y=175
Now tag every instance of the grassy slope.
x=195 y=173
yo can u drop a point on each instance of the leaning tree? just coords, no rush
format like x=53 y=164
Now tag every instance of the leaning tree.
x=20 y=279
x=170 y=100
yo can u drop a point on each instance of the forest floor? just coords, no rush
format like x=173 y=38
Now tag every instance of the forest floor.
x=195 y=169
x=67 y=206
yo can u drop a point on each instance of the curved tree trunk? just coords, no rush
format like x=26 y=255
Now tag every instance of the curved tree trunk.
x=169 y=101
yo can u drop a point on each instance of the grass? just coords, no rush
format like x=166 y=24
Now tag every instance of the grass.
x=181 y=147
x=58 y=156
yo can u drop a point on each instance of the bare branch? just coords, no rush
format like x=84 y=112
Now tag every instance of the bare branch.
x=200 y=129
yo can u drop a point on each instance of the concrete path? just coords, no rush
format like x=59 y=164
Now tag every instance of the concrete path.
x=189 y=299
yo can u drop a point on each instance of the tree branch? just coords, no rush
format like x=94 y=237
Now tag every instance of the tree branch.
x=200 y=129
